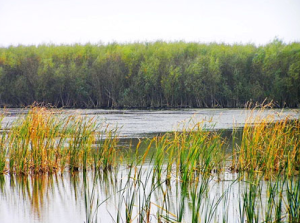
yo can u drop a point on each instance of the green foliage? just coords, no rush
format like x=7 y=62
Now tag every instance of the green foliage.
x=150 y=74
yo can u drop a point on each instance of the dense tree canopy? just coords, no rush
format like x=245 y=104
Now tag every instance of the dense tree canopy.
x=155 y=74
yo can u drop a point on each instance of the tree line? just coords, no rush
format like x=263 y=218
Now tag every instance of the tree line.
x=150 y=75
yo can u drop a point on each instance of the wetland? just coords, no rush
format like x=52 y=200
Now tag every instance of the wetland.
x=184 y=165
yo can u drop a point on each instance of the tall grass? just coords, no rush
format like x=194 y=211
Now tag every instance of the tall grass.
x=42 y=142
x=293 y=199
x=271 y=146
x=3 y=148
x=189 y=153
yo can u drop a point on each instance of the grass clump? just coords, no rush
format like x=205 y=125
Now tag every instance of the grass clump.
x=188 y=154
x=43 y=142
x=271 y=146
x=35 y=142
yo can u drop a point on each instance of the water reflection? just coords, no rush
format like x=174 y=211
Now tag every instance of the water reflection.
x=135 y=193
x=39 y=198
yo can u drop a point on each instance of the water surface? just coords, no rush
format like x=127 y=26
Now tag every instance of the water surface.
x=139 y=123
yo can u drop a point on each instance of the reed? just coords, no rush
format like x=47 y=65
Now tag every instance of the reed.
x=271 y=146
x=250 y=197
x=91 y=197
x=41 y=142
x=106 y=151
x=3 y=149
x=32 y=142
x=189 y=153
x=80 y=141
x=272 y=190
x=293 y=199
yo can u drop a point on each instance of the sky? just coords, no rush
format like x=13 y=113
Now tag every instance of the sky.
x=34 y=22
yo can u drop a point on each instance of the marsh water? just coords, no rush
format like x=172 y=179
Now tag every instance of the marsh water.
x=63 y=197
x=143 y=123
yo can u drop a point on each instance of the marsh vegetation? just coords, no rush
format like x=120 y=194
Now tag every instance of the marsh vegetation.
x=193 y=175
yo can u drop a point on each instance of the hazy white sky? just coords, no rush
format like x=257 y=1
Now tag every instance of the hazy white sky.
x=69 y=21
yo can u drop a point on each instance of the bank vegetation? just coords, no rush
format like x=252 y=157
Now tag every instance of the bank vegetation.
x=150 y=75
